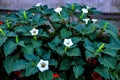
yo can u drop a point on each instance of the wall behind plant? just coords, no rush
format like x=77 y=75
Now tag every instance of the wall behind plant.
x=101 y=5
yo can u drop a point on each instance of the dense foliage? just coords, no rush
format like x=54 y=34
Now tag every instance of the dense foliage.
x=66 y=42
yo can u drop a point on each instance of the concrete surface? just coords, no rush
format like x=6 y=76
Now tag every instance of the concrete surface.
x=101 y=5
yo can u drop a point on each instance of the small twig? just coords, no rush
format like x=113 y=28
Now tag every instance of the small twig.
x=50 y=23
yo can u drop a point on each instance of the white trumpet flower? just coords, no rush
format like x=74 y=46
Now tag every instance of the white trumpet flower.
x=86 y=20
x=68 y=42
x=34 y=31
x=87 y=7
x=38 y=4
x=94 y=20
x=43 y=65
x=84 y=10
x=58 y=10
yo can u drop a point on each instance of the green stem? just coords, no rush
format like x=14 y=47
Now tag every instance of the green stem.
x=16 y=39
x=65 y=48
x=81 y=16
x=100 y=48
x=93 y=28
x=60 y=15
x=24 y=14
x=2 y=32
x=8 y=24
x=83 y=35
x=44 y=76
x=73 y=7
x=35 y=37
x=105 y=26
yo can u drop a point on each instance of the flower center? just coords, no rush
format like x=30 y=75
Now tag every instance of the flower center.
x=43 y=65
x=34 y=31
x=68 y=43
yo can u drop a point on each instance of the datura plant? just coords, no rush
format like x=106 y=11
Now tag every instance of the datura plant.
x=64 y=43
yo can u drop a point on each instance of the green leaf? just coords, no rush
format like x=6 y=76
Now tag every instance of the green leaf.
x=36 y=20
x=52 y=46
x=43 y=33
x=23 y=30
x=19 y=65
x=54 y=43
x=55 y=18
x=21 y=43
x=65 y=34
x=28 y=49
x=110 y=52
x=108 y=61
x=114 y=75
x=31 y=57
x=53 y=62
x=112 y=30
x=31 y=69
x=79 y=28
x=2 y=40
x=118 y=66
x=56 y=26
x=111 y=33
x=65 y=15
x=41 y=21
x=103 y=71
x=88 y=54
x=36 y=43
x=87 y=42
x=46 y=11
x=60 y=51
x=88 y=30
x=80 y=61
x=47 y=75
x=90 y=48
x=78 y=70
x=8 y=63
x=39 y=51
x=13 y=17
x=76 y=39
x=73 y=52
x=93 y=35
x=114 y=44
x=11 y=34
x=9 y=47
x=36 y=17
x=46 y=56
x=65 y=65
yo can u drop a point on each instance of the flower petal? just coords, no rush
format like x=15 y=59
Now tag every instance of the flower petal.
x=84 y=10
x=38 y=4
x=58 y=10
